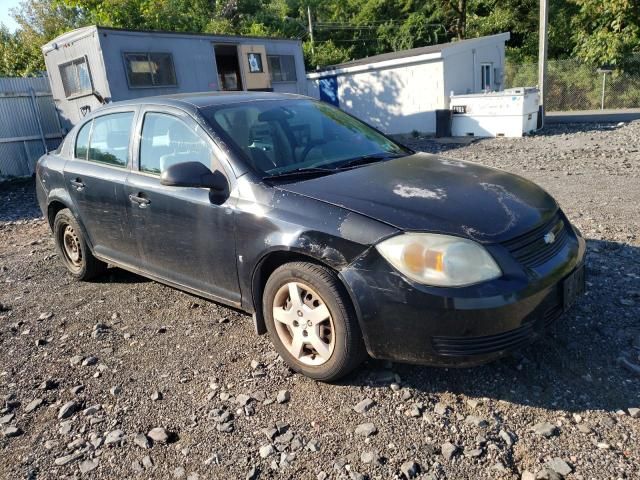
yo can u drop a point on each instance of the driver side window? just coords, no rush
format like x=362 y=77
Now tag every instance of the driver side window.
x=167 y=140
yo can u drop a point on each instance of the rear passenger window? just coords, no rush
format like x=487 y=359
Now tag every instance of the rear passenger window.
x=167 y=140
x=110 y=139
x=82 y=141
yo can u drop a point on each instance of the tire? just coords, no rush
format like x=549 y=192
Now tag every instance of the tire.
x=72 y=248
x=316 y=286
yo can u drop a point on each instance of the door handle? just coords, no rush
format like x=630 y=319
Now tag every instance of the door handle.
x=77 y=184
x=139 y=199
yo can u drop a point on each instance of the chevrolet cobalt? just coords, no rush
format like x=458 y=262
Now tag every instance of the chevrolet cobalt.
x=340 y=241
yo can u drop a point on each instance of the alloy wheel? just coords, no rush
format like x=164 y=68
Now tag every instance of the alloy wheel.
x=303 y=323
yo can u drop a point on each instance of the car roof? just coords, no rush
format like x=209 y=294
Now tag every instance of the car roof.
x=197 y=101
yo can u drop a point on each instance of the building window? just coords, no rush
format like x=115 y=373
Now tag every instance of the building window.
x=282 y=68
x=486 y=70
x=76 y=78
x=150 y=70
x=255 y=62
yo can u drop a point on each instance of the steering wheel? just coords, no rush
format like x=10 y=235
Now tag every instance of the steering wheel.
x=310 y=146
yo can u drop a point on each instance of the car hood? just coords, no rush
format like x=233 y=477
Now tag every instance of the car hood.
x=423 y=192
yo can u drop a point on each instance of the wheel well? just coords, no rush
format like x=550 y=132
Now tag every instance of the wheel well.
x=262 y=273
x=53 y=209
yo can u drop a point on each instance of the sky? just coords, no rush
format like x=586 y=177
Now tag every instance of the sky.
x=5 y=6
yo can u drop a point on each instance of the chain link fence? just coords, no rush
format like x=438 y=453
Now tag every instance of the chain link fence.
x=574 y=85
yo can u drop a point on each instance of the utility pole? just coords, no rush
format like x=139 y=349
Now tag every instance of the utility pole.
x=542 y=57
x=310 y=29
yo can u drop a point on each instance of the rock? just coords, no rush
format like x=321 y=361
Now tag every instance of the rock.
x=369 y=457
x=68 y=409
x=114 y=437
x=142 y=441
x=474 y=453
x=477 y=421
x=448 y=450
x=634 y=412
x=225 y=427
x=88 y=465
x=48 y=384
x=364 y=405
x=76 y=444
x=45 y=316
x=406 y=394
x=548 y=474
x=179 y=472
x=313 y=446
x=440 y=408
x=252 y=474
x=507 y=437
x=545 y=429
x=270 y=433
x=67 y=459
x=559 y=466
x=89 y=361
x=77 y=389
x=266 y=450
x=147 y=462
x=7 y=418
x=92 y=410
x=156 y=395
x=243 y=399
x=50 y=444
x=410 y=469
x=283 y=396
x=115 y=391
x=527 y=475
x=76 y=360
x=193 y=476
x=366 y=429
x=158 y=435
x=11 y=432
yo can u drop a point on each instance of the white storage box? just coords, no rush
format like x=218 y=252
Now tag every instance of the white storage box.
x=509 y=113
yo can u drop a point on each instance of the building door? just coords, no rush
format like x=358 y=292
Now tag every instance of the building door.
x=253 y=60
x=229 y=73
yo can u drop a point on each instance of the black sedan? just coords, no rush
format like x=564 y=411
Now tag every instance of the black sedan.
x=339 y=241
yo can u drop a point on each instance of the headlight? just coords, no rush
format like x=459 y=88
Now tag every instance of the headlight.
x=440 y=260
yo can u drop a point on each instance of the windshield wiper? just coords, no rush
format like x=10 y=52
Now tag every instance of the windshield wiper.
x=300 y=172
x=365 y=159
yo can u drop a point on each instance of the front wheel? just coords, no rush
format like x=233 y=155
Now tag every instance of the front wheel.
x=311 y=321
x=72 y=247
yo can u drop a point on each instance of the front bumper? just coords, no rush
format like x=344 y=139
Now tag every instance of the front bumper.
x=405 y=321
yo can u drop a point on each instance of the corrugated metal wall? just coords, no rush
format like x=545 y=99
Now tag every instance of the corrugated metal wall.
x=28 y=121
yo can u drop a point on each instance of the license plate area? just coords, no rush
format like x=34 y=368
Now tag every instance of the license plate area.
x=573 y=287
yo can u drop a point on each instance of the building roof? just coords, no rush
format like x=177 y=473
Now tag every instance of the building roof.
x=81 y=32
x=414 y=52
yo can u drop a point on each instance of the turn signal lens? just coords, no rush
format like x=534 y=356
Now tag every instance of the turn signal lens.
x=439 y=260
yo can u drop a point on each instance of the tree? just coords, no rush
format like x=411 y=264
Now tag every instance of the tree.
x=608 y=32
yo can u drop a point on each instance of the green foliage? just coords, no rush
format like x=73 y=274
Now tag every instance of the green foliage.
x=598 y=32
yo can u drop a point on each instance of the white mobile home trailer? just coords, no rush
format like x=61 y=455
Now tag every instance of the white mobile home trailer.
x=92 y=64
x=400 y=92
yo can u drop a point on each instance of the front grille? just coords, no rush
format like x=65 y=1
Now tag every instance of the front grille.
x=531 y=249
x=461 y=346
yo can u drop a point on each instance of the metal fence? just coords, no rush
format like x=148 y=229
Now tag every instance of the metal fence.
x=29 y=124
x=574 y=85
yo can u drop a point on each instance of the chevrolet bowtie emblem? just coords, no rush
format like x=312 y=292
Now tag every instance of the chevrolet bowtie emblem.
x=549 y=238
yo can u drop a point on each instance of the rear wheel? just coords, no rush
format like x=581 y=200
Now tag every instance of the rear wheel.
x=311 y=321
x=72 y=247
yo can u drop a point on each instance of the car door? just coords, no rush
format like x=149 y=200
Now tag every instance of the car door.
x=95 y=179
x=184 y=235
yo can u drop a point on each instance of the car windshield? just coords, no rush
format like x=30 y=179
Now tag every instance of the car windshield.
x=278 y=137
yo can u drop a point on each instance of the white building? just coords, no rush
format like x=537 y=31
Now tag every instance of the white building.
x=400 y=92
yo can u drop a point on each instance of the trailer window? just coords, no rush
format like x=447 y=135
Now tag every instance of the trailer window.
x=485 y=76
x=282 y=68
x=150 y=69
x=76 y=77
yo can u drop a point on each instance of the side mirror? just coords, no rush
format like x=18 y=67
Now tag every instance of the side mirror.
x=193 y=174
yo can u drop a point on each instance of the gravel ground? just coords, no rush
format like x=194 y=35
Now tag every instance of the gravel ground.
x=126 y=378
